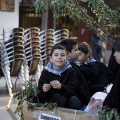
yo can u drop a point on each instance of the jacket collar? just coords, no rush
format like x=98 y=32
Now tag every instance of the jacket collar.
x=49 y=67
x=73 y=61
x=90 y=61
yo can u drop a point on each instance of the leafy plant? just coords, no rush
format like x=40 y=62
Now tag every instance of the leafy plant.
x=108 y=114
x=29 y=94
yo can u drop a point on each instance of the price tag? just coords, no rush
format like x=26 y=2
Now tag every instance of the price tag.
x=45 y=116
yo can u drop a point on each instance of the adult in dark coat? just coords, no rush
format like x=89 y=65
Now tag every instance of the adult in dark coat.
x=113 y=98
x=96 y=45
x=112 y=64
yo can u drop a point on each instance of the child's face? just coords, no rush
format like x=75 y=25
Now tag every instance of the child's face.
x=117 y=56
x=58 y=58
x=74 y=53
x=82 y=56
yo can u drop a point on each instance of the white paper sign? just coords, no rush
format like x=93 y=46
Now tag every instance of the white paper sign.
x=45 y=116
x=109 y=88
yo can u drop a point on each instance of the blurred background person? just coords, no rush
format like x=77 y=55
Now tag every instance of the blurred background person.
x=98 y=47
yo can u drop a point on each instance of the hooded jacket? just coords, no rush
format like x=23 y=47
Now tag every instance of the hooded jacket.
x=66 y=76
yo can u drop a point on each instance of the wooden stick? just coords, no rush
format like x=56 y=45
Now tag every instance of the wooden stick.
x=9 y=103
x=9 y=109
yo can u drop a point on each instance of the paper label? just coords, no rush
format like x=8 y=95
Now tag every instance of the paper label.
x=45 y=116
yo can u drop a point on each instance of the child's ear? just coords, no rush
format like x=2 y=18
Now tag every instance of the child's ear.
x=67 y=54
x=89 y=54
x=50 y=59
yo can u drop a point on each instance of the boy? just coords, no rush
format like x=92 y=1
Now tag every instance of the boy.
x=58 y=81
x=96 y=74
x=72 y=55
x=113 y=98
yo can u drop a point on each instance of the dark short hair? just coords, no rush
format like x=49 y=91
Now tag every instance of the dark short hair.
x=117 y=46
x=84 y=47
x=57 y=46
x=68 y=44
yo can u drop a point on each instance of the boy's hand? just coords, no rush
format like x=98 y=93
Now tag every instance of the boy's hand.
x=55 y=84
x=46 y=87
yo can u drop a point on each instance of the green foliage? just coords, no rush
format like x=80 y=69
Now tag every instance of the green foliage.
x=50 y=106
x=68 y=7
x=29 y=94
x=103 y=12
x=79 y=9
x=106 y=17
x=23 y=95
x=40 y=6
x=109 y=114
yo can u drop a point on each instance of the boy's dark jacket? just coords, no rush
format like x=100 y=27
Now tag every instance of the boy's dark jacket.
x=97 y=75
x=83 y=90
x=66 y=76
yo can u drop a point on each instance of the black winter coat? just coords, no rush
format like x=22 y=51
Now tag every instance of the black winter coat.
x=68 y=80
x=97 y=76
x=112 y=64
x=83 y=90
x=113 y=98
